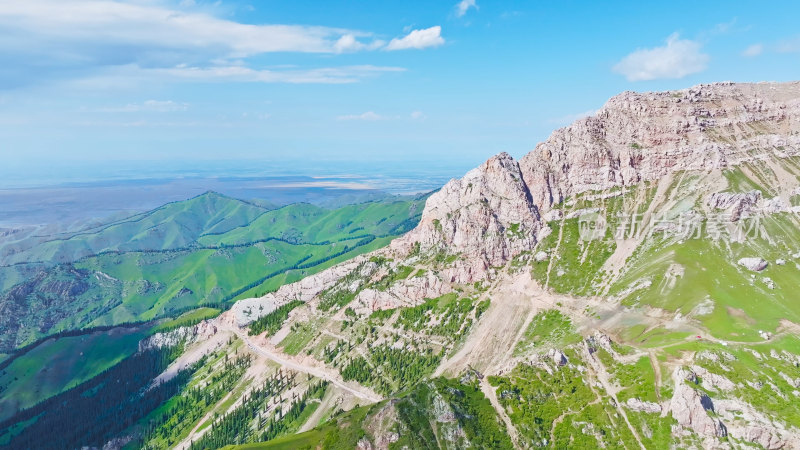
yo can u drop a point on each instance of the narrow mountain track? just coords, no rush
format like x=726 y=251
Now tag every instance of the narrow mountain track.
x=657 y=371
x=490 y=393
x=602 y=376
x=323 y=373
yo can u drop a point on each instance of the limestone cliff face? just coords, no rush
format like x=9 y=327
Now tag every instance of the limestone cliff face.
x=487 y=215
x=644 y=136
x=495 y=211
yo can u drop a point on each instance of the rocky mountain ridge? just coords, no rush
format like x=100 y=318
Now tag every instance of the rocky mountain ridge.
x=496 y=211
x=508 y=228
x=492 y=212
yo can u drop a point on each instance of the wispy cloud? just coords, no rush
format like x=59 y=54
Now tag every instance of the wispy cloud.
x=368 y=116
x=45 y=40
x=133 y=77
x=463 y=6
x=418 y=39
x=325 y=75
x=148 y=106
x=418 y=115
x=753 y=50
x=349 y=43
x=789 y=45
x=676 y=59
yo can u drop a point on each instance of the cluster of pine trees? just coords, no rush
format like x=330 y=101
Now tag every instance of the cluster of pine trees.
x=391 y=369
x=273 y=321
x=184 y=410
x=329 y=353
x=260 y=416
x=404 y=367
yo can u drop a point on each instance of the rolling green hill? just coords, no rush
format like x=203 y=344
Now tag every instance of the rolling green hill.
x=207 y=250
x=174 y=225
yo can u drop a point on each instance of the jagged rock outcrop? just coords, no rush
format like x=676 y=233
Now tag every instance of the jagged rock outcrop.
x=188 y=335
x=245 y=311
x=487 y=216
x=689 y=407
x=635 y=404
x=747 y=423
x=644 y=136
x=763 y=437
x=498 y=210
x=404 y=293
x=712 y=381
x=495 y=211
x=753 y=263
x=558 y=357
x=740 y=203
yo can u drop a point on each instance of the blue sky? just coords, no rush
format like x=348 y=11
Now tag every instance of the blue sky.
x=288 y=82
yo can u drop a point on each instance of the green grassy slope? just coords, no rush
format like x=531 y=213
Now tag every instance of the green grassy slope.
x=308 y=223
x=679 y=273
x=174 y=225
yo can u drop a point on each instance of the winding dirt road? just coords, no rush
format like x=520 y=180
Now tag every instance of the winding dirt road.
x=324 y=373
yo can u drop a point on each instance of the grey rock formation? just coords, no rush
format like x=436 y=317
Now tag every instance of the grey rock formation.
x=690 y=408
x=499 y=210
x=486 y=216
x=557 y=357
x=754 y=264
x=188 y=335
x=645 y=136
x=634 y=404
x=738 y=204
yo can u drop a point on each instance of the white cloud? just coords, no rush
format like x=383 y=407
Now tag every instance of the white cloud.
x=418 y=115
x=753 y=50
x=147 y=23
x=132 y=77
x=676 y=59
x=349 y=43
x=46 y=40
x=722 y=28
x=369 y=116
x=418 y=39
x=326 y=75
x=463 y=6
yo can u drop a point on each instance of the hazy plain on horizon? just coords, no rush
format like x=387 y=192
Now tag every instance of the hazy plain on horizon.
x=63 y=196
